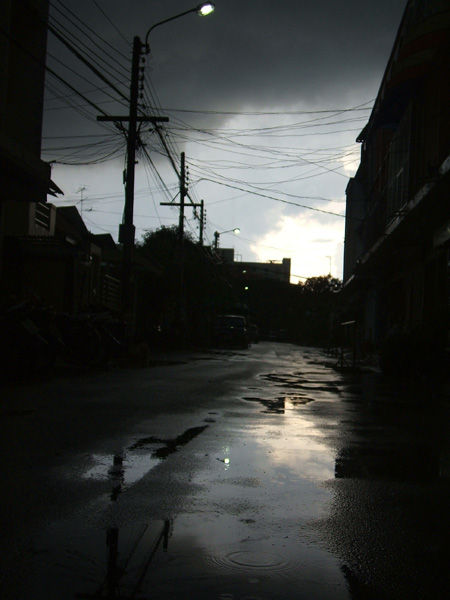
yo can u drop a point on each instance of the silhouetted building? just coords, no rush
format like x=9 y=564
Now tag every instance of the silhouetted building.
x=48 y=252
x=273 y=269
x=25 y=178
x=397 y=239
x=23 y=44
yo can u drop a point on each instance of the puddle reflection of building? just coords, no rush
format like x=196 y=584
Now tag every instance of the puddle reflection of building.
x=116 y=571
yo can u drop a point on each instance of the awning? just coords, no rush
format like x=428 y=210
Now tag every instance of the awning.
x=25 y=177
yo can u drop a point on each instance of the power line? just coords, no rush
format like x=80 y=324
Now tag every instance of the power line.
x=359 y=108
x=88 y=49
x=328 y=212
x=95 y=32
x=110 y=21
x=78 y=93
x=86 y=62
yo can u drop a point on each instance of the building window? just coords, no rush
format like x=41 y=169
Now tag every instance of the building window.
x=42 y=216
x=399 y=160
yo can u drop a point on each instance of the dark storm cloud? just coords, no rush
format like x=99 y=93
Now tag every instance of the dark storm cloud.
x=254 y=51
x=270 y=53
x=249 y=54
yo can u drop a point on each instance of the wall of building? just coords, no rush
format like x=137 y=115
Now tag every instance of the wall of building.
x=396 y=250
x=23 y=71
x=28 y=218
x=279 y=271
x=25 y=177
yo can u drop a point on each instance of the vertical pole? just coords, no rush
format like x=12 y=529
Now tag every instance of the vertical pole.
x=127 y=229
x=202 y=221
x=2 y=224
x=182 y=196
x=181 y=307
x=81 y=190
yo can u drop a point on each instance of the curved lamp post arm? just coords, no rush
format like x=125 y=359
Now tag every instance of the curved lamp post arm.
x=203 y=9
x=217 y=234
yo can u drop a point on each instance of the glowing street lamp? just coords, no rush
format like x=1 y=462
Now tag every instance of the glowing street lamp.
x=203 y=10
x=236 y=230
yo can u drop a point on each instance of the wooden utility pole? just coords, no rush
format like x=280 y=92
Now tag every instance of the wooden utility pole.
x=180 y=240
x=202 y=221
x=183 y=192
x=127 y=228
x=181 y=204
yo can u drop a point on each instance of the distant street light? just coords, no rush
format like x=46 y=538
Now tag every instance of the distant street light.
x=217 y=234
x=127 y=228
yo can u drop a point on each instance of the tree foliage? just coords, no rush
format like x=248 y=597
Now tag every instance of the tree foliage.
x=192 y=288
x=325 y=284
x=181 y=300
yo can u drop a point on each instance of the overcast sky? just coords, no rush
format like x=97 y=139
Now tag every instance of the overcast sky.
x=266 y=98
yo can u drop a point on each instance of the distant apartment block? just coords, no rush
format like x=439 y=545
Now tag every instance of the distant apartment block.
x=273 y=269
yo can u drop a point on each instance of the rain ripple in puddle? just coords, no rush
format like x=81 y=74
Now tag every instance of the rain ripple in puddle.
x=250 y=561
x=182 y=558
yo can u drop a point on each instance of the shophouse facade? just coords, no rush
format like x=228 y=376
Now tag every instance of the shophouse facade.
x=397 y=239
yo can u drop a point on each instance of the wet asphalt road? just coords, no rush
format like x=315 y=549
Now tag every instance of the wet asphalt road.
x=259 y=474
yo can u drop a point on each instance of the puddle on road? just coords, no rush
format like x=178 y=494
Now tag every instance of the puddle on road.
x=273 y=470
x=122 y=471
x=281 y=405
x=302 y=380
x=186 y=557
x=241 y=532
x=126 y=468
x=298 y=388
x=241 y=535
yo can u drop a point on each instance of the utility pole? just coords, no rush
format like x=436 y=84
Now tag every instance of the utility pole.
x=183 y=192
x=181 y=204
x=180 y=240
x=80 y=191
x=127 y=228
x=202 y=221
